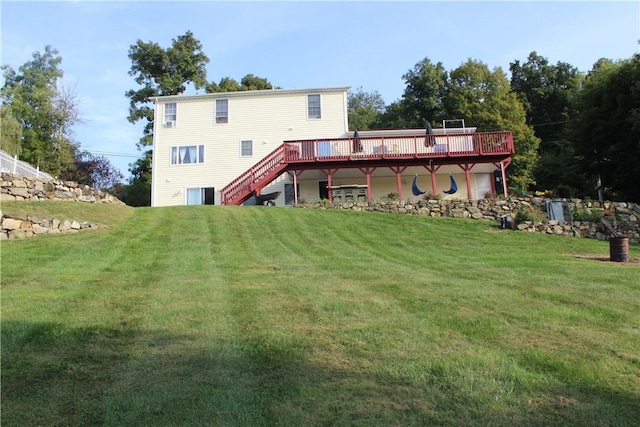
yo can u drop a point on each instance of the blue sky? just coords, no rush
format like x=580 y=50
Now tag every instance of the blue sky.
x=295 y=44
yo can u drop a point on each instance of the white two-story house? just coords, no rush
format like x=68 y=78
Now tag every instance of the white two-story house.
x=286 y=146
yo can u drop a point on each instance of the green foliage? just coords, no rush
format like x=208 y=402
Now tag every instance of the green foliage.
x=364 y=109
x=31 y=98
x=393 y=196
x=547 y=93
x=484 y=98
x=11 y=134
x=607 y=130
x=163 y=72
x=248 y=82
x=584 y=214
x=529 y=214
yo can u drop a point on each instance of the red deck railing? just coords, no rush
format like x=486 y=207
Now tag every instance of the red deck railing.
x=400 y=147
x=361 y=149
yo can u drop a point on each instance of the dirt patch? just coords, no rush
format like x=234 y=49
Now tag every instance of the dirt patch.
x=632 y=261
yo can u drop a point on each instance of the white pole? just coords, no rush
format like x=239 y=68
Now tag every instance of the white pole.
x=295 y=188
x=15 y=163
x=504 y=181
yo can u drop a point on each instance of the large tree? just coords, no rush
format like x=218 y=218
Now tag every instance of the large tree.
x=11 y=134
x=484 y=98
x=364 y=109
x=607 y=129
x=421 y=103
x=33 y=98
x=163 y=72
x=547 y=92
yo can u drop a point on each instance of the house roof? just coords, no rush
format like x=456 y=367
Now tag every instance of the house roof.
x=410 y=132
x=238 y=94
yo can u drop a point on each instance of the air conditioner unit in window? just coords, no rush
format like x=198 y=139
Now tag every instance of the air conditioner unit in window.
x=168 y=124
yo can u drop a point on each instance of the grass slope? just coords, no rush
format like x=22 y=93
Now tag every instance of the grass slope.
x=270 y=316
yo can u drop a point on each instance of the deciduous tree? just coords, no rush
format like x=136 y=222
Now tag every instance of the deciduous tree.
x=163 y=72
x=547 y=92
x=32 y=98
x=364 y=109
x=606 y=129
x=484 y=98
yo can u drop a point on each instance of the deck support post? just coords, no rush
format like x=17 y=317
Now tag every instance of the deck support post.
x=434 y=185
x=398 y=171
x=329 y=174
x=367 y=174
x=503 y=166
x=294 y=176
x=467 y=176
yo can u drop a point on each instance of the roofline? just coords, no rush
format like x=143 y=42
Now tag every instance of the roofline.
x=411 y=132
x=238 y=94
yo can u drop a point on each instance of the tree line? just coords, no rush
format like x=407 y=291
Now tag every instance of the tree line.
x=575 y=134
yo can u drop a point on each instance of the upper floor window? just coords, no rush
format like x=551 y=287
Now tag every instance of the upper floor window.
x=246 y=148
x=186 y=154
x=170 y=114
x=313 y=107
x=222 y=111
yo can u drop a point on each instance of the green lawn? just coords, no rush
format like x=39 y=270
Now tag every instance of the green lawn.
x=258 y=316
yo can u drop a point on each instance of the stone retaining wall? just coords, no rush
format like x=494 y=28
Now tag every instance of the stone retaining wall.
x=16 y=187
x=623 y=217
x=22 y=226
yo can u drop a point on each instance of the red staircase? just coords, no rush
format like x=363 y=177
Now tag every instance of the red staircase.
x=252 y=181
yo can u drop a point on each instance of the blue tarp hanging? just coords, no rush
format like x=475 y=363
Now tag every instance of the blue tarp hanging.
x=414 y=187
x=454 y=186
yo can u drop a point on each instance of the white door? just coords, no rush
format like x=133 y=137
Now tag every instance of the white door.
x=483 y=185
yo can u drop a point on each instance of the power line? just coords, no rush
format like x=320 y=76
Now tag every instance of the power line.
x=112 y=154
x=550 y=123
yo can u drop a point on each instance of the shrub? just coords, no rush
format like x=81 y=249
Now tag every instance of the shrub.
x=525 y=214
x=393 y=196
x=584 y=214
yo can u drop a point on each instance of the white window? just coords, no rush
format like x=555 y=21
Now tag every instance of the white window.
x=186 y=154
x=313 y=107
x=222 y=111
x=170 y=114
x=200 y=196
x=246 y=148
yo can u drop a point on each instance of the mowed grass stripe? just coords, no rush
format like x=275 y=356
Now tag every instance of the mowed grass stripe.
x=264 y=316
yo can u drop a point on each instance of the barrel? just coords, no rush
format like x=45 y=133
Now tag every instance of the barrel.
x=619 y=249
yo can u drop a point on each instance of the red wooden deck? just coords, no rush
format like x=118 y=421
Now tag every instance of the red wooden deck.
x=370 y=152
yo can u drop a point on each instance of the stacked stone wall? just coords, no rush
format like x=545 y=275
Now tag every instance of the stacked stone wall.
x=621 y=216
x=16 y=187
x=22 y=226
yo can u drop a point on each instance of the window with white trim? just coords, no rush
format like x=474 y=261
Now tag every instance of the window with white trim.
x=222 y=111
x=187 y=154
x=246 y=148
x=314 y=110
x=170 y=114
x=200 y=196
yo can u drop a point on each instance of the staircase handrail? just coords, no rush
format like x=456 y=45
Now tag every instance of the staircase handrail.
x=251 y=180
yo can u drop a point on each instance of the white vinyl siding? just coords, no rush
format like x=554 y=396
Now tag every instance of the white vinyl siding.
x=314 y=109
x=170 y=114
x=222 y=111
x=246 y=148
x=265 y=118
